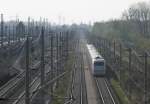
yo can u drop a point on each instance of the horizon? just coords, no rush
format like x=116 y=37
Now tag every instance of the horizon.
x=66 y=11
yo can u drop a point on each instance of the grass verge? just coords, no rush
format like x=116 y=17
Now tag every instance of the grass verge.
x=60 y=92
x=64 y=82
x=120 y=93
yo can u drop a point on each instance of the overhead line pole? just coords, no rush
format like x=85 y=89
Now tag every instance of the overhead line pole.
x=2 y=29
x=42 y=65
x=145 y=79
x=57 y=57
x=60 y=45
x=146 y=55
x=129 y=70
x=27 y=79
x=42 y=58
x=52 y=69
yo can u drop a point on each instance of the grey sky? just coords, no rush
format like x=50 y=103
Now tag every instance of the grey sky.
x=66 y=11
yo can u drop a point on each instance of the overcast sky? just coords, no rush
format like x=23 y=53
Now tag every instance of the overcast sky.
x=65 y=11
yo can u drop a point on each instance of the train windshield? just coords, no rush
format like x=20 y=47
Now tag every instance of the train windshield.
x=98 y=63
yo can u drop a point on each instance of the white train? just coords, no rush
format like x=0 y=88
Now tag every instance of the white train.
x=96 y=61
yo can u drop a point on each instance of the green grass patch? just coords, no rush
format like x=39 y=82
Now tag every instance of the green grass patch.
x=60 y=91
x=120 y=93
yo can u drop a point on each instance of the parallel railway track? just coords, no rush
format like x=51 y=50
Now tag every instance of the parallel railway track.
x=83 y=92
x=7 y=90
x=35 y=84
x=104 y=91
x=33 y=87
x=10 y=85
x=78 y=86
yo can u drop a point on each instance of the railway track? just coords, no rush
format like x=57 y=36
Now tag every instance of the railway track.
x=83 y=99
x=7 y=90
x=104 y=91
x=11 y=85
x=33 y=87
x=78 y=86
x=35 y=84
x=83 y=92
x=81 y=89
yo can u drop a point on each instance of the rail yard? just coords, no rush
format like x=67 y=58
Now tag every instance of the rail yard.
x=76 y=59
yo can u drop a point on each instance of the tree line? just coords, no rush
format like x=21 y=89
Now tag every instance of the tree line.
x=133 y=28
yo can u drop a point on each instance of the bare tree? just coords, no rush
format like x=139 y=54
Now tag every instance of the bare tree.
x=139 y=14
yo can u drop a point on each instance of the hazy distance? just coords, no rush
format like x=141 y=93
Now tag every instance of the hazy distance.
x=65 y=11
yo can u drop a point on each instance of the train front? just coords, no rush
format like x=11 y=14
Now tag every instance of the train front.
x=99 y=67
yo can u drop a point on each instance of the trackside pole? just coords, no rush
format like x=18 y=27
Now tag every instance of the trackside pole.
x=52 y=69
x=146 y=56
x=42 y=65
x=145 y=79
x=2 y=30
x=129 y=69
x=120 y=62
x=27 y=93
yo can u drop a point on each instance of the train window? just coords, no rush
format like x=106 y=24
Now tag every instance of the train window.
x=97 y=57
x=99 y=63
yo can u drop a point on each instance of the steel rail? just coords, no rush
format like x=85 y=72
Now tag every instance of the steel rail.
x=23 y=93
x=103 y=95
x=106 y=83
x=11 y=84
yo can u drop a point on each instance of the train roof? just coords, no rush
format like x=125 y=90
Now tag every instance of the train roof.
x=94 y=53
